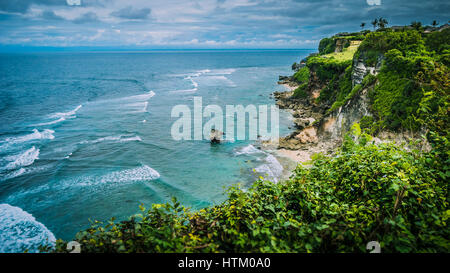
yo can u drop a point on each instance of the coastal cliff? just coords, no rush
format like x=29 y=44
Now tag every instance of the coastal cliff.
x=340 y=86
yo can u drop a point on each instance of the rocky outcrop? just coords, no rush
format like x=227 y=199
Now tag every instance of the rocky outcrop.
x=216 y=136
x=308 y=135
x=315 y=126
x=340 y=44
x=302 y=123
x=361 y=68
x=335 y=125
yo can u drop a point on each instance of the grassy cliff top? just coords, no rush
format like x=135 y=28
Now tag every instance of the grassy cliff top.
x=346 y=53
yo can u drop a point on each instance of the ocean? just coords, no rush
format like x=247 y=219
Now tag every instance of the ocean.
x=87 y=135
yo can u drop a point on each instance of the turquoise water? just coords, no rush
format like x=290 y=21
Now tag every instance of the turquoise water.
x=87 y=135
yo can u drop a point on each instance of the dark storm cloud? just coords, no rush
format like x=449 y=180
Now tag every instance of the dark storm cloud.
x=130 y=13
x=204 y=23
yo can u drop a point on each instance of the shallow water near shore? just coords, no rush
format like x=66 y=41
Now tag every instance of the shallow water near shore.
x=87 y=135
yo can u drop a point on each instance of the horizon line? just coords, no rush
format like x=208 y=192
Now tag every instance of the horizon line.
x=21 y=49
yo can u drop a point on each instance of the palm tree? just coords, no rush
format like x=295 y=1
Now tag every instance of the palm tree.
x=362 y=25
x=382 y=23
x=417 y=25
x=374 y=23
x=435 y=23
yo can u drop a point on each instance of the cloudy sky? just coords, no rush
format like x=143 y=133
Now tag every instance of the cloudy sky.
x=199 y=23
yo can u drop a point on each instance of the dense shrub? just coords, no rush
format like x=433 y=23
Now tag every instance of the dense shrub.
x=341 y=101
x=327 y=45
x=408 y=40
x=327 y=68
x=337 y=88
x=438 y=41
x=300 y=92
x=302 y=75
x=406 y=83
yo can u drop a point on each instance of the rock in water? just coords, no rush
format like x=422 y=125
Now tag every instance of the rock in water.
x=216 y=136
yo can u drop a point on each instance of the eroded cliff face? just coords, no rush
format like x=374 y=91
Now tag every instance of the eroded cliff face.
x=362 y=66
x=337 y=123
x=317 y=127
x=319 y=130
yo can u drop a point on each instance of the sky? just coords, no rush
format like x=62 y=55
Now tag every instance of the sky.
x=199 y=24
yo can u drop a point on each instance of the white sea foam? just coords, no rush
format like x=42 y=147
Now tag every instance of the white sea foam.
x=221 y=77
x=45 y=134
x=113 y=139
x=126 y=139
x=112 y=179
x=23 y=171
x=66 y=114
x=51 y=122
x=21 y=160
x=59 y=117
x=141 y=97
x=19 y=231
x=194 y=83
x=184 y=91
x=216 y=74
x=145 y=107
x=200 y=72
x=143 y=173
x=272 y=168
x=138 y=101
x=13 y=174
x=249 y=149
x=212 y=80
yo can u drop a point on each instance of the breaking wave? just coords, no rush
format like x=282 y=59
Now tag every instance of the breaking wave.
x=45 y=134
x=112 y=138
x=19 y=231
x=143 y=173
x=21 y=160
x=59 y=117
x=217 y=74
x=66 y=114
x=249 y=149
x=272 y=168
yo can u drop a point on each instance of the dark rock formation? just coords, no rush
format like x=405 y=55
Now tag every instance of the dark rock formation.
x=216 y=136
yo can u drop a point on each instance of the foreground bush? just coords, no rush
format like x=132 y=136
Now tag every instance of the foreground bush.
x=364 y=193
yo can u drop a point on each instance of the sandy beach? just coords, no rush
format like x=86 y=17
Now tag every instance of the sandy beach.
x=295 y=155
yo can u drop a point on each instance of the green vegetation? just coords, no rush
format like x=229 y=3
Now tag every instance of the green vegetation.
x=413 y=82
x=345 y=55
x=327 y=45
x=327 y=68
x=379 y=22
x=300 y=92
x=388 y=193
x=340 y=102
x=337 y=89
x=364 y=193
x=302 y=76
